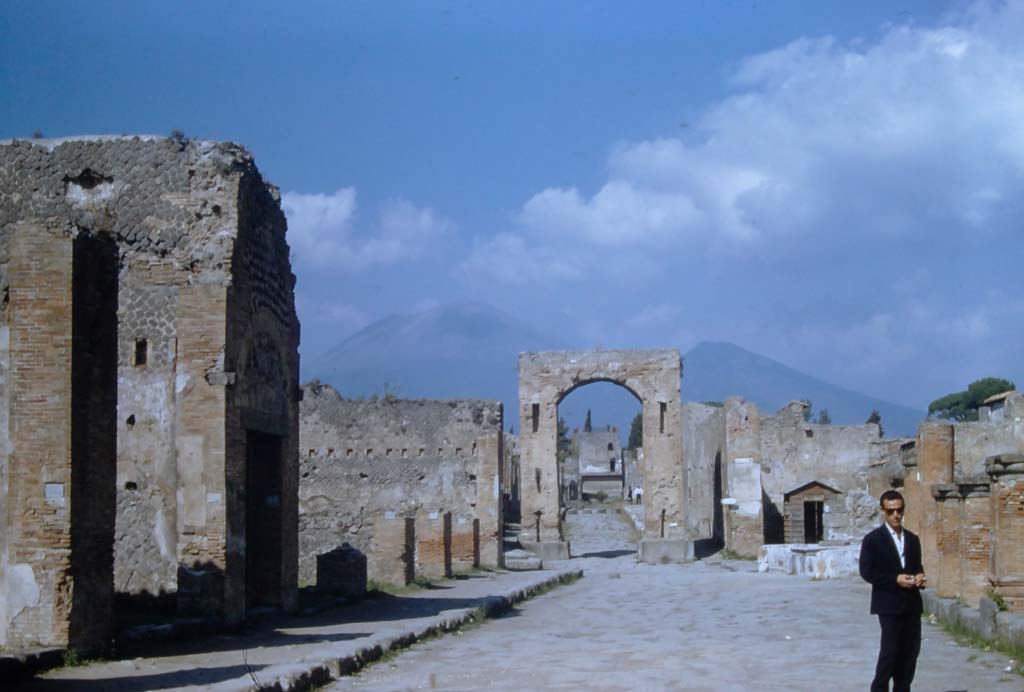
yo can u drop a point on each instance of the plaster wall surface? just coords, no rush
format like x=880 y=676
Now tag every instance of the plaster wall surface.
x=363 y=458
x=978 y=440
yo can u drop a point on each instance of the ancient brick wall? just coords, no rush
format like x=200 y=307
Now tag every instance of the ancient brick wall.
x=363 y=458
x=744 y=518
x=202 y=255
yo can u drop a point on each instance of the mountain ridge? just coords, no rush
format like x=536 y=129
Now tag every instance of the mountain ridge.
x=470 y=349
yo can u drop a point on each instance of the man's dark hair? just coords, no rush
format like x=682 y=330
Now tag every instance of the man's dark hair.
x=889 y=496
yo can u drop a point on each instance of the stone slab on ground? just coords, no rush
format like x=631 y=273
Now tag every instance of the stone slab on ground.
x=299 y=653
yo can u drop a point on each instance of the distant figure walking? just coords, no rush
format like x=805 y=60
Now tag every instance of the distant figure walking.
x=638 y=496
x=629 y=494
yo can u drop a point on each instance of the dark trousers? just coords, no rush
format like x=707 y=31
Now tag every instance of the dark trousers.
x=897 y=653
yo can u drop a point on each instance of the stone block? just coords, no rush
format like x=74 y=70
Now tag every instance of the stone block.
x=665 y=550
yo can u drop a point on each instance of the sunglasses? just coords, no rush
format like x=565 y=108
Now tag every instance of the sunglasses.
x=894 y=510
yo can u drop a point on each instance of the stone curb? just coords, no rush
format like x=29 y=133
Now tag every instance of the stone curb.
x=985 y=621
x=315 y=671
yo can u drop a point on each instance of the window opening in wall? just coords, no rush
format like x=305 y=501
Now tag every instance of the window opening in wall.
x=131 y=485
x=610 y=447
x=458 y=451
x=387 y=452
x=440 y=450
x=809 y=432
x=662 y=410
x=312 y=452
x=330 y=451
x=348 y=452
x=369 y=452
x=536 y=477
x=535 y=415
x=141 y=351
x=474 y=449
x=422 y=452
x=131 y=421
x=611 y=465
x=405 y=453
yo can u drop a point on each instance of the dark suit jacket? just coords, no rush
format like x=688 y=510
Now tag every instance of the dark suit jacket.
x=880 y=565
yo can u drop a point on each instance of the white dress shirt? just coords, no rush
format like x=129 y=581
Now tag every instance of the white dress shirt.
x=898 y=540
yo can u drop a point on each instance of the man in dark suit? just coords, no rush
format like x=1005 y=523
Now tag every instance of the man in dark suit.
x=890 y=560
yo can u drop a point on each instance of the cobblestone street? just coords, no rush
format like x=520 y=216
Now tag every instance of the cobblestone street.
x=703 y=626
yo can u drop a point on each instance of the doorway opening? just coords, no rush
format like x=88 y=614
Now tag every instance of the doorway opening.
x=263 y=530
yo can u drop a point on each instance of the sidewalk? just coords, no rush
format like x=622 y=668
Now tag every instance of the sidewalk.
x=296 y=653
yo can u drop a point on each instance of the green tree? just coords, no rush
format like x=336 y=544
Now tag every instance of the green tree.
x=563 y=446
x=823 y=417
x=876 y=418
x=636 y=432
x=963 y=406
x=586 y=424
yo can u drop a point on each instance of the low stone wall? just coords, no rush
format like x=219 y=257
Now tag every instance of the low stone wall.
x=987 y=621
x=813 y=561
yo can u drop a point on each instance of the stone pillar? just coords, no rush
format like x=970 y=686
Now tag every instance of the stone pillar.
x=944 y=576
x=62 y=417
x=666 y=536
x=744 y=519
x=1007 y=527
x=433 y=544
x=975 y=541
x=490 y=484
x=541 y=521
x=392 y=555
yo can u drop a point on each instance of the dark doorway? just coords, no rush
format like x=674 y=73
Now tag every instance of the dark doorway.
x=262 y=519
x=813 y=514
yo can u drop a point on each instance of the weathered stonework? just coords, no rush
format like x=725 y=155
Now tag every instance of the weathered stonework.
x=653 y=377
x=205 y=364
x=426 y=459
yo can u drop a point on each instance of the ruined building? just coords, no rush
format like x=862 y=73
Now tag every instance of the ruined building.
x=595 y=466
x=964 y=486
x=148 y=385
x=415 y=484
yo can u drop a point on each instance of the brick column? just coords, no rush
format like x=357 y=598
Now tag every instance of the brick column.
x=1007 y=527
x=392 y=550
x=944 y=575
x=934 y=465
x=62 y=466
x=433 y=544
x=975 y=541
x=464 y=543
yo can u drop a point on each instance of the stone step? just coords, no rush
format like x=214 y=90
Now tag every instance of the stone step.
x=520 y=561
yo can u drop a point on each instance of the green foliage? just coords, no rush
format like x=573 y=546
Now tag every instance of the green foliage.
x=716 y=404
x=587 y=427
x=876 y=418
x=636 y=432
x=823 y=417
x=963 y=406
x=37 y=134
x=563 y=448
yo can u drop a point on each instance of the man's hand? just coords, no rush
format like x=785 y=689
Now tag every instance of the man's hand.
x=919 y=580
x=907 y=581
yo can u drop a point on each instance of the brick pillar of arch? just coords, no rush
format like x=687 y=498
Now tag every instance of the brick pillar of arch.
x=653 y=377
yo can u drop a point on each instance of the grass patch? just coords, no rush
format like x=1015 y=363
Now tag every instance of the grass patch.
x=727 y=554
x=968 y=637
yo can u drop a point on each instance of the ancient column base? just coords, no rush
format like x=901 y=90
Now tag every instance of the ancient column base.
x=664 y=550
x=547 y=550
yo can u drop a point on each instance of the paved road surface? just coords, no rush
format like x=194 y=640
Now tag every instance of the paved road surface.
x=631 y=626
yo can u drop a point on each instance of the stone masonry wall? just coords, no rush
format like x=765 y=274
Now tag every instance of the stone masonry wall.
x=703 y=449
x=795 y=452
x=364 y=458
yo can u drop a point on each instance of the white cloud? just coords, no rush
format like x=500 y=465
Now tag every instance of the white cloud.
x=324 y=234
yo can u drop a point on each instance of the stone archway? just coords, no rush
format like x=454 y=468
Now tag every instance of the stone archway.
x=652 y=376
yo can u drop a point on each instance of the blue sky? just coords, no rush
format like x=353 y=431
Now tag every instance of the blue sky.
x=835 y=185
